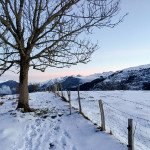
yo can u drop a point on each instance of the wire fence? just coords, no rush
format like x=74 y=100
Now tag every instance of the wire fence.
x=116 y=120
x=126 y=100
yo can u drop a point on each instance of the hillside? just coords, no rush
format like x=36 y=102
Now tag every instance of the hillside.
x=71 y=82
x=135 y=78
x=50 y=127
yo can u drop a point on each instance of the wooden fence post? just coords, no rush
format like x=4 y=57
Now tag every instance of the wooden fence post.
x=61 y=89
x=130 y=135
x=55 y=90
x=80 y=109
x=58 y=88
x=49 y=88
x=69 y=100
x=52 y=87
x=102 y=115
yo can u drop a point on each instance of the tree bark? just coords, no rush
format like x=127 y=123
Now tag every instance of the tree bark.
x=23 y=86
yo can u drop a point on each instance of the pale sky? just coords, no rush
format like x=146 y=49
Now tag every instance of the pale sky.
x=126 y=45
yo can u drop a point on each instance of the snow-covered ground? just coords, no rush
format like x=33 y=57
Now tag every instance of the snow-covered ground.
x=119 y=106
x=50 y=127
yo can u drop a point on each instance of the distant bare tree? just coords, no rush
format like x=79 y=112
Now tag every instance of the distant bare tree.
x=33 y=87
x=48 y=33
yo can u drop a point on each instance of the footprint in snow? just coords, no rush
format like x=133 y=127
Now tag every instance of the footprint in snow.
x=37 y=122
x=67 y=134
x=32 y=126
x=27 y=127
x=38 y=130
x=63 y=141
x=57 y=128
x=74 y=148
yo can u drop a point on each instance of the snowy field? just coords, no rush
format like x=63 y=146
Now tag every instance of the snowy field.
x=119 y=106
x=50 y=127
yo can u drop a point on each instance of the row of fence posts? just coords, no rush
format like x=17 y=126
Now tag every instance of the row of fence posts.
x=130 y=127
x=57 y=87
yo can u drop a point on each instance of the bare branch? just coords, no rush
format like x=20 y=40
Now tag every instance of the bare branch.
x=47 y=33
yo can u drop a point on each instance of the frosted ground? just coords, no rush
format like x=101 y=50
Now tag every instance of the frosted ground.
x=50 y=127
x=119 y=106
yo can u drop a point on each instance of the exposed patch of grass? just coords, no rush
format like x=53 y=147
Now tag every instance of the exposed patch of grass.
x=87 y=118
x=60 y=115
x=1 y=103
x=2 y=97
x=51 y=145
x=110 y=132
x=74 y=108
x=98 y=129
x=90 y=97
x=95 y=124
x=13 y=114
x=44 y=111
x=12 y=98
x=45 y=116
x=64 y=99
x=41 y=112
x=53 y=117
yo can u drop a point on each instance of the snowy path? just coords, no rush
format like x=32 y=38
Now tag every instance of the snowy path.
x=51 y=127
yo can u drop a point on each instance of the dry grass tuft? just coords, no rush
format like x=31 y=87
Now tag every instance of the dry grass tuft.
x=110 y=132
x=2 y=97
x=1 y=103
x=85 y=116
x=64 y=99
x=10 y=98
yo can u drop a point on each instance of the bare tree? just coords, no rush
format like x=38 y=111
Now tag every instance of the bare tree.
x=49 y=33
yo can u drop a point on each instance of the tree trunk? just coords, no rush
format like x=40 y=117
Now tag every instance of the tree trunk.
x=23 y=86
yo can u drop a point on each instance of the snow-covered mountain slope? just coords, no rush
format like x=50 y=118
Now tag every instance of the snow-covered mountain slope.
x=138 y=67
x=135 y=78
x=69 y=82
x=53 y=81
x=92 y=77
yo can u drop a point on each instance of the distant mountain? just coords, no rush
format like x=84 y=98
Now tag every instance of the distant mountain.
x=52 y=81
x=71 y=82
x=134 y=78
x=89 y=85
x=8 y=87
x=92 y=77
